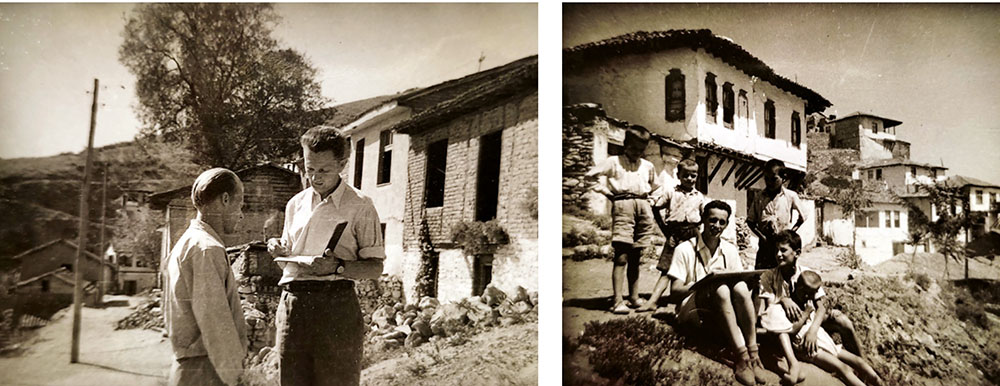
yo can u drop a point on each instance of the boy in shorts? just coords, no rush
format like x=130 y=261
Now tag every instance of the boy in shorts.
x=683 y=205
x=770 y=212
x=726 y=308
x=627 y=181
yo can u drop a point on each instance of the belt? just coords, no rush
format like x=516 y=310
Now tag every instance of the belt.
x=318 y=286
x=627 y=196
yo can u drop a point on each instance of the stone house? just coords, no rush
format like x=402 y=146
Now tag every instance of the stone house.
x=982 y=197
x=694 y=87
x=873 y=136
x=43 y=260
x=267 y=188
x=134 y=274
x=901 y=175
x=473 y=157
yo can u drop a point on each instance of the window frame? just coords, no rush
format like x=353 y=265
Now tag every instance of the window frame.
x=437 y=199
x=674 y=115
x=385 y=141
x=796 y=130
x=769 y=118
x=359 y=162
x=711 y=98
x=728 y=105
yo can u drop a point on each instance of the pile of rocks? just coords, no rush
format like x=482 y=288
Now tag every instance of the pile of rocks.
x=411 y=325
x=147 y=314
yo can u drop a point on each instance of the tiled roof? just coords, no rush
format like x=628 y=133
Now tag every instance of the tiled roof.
x=57 y=273
x=969 y=181
x=160 y=200
x=448 y=100
x=351 y=111
x=886 y=121
x=897 y=161
x=643 y=42
x=71 y=244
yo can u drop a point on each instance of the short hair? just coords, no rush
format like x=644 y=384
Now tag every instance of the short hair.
x=636 y=133
x=789 y=237
x=811 y=279
x=771 y=163
x=326 y=138
x=687 y=164
x=717 y=204
x=210 y=185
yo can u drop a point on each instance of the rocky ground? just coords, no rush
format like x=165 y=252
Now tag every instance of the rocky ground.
x=918 y=325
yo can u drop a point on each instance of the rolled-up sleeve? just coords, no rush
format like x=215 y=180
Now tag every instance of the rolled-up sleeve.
x=213 y=314
x=368 y=230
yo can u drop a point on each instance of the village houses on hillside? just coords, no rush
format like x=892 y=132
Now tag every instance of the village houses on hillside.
x=694 y=87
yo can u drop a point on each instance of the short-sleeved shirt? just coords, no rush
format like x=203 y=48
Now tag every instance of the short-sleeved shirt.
x=682 y=206
x=775 y=211
x=773 y=285
x=689 y=267
x=310 y=222
x=202 y=310
x=624 y=176
x=667 y=179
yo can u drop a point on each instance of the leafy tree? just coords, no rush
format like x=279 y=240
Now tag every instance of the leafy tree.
x=953 y=216
x=210 y=76
x=136 y=235
x=852 y=200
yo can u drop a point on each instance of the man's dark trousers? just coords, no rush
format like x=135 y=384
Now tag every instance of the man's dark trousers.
x=320 y=334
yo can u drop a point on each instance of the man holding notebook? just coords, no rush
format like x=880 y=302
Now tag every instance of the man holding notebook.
x=717 y=306
x=331 y=235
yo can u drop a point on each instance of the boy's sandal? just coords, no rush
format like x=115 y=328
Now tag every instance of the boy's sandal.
x=621 y=308
x=633 y=304
x=755 y=364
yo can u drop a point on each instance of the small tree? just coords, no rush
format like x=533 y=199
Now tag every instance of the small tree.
x=953 y=216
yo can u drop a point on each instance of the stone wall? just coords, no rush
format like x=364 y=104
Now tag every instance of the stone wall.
x=578 y=148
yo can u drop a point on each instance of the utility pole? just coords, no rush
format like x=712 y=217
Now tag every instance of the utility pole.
x=482 y=57
x=74 y=354
x=104 y=206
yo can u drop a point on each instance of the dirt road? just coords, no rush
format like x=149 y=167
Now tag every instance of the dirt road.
x=107 y=357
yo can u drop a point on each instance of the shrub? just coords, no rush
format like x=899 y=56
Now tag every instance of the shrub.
x=920 y=278
x=743 y=233
x=475 y=236
x=850 y=259
x=580 y=236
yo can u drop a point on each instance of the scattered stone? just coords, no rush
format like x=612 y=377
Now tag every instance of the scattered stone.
x=493 y=296
x=422 y=327
x=415 y=340
x=430 y=302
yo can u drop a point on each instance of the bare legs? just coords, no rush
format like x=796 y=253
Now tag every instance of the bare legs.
x=735 y=307
x=662 y=285
x=626 y=264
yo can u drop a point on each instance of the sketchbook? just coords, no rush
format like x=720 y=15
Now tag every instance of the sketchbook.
x=338 y=231
x=726 y=277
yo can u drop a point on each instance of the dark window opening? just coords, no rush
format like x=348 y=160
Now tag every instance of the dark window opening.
x=69 y=267
x=359 y=162
x=488 y=177
x=482 y=273
x=674 y=90
x=728 y=104
x=744 y=112
x=382 y=228
x=711 y=98
x=796 y=130
x=878 y=174
x=384 y=156
x=437 y=156
x=769 y=126
x=45 y=285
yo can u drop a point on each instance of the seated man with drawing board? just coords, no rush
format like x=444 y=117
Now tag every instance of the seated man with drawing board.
x=706 y=273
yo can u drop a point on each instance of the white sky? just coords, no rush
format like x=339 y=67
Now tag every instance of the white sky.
x=51 y=53
x=934 y=67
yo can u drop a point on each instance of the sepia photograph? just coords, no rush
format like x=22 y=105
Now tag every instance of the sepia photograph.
x=780 y=194
x=269 y=194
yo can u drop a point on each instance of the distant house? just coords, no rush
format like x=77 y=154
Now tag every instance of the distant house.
x=60 y=253
x=267 y=188
x=982 y=197
x=901 y=175
x=58 y=281
x=873 y=136
x=473 y=156
x=134 y=273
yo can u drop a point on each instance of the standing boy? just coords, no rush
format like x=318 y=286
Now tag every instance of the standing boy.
x=320 y=326
x=770 y=212
x=202 y=309
x=683 y=206
x=725 y=308
x=627 y=181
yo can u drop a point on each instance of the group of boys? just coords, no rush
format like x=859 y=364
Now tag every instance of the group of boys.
x=331 y=237
x=787 y=298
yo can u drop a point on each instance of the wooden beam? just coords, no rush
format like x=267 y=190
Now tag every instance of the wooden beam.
x=753 y=181
x=716 y=170
x=753 y=172
x=731 y=168
x=751 y=177
x=741 y=176
x=740 y=172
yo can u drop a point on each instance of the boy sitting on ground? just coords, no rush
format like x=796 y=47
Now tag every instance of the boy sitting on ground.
x=776 y=287
x=627 y=181
x=821 y=350
x=683 y=207
x=722 y=307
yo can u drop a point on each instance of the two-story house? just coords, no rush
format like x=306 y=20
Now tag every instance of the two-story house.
x=981 y=197
x=873 y=136
x=696 y=87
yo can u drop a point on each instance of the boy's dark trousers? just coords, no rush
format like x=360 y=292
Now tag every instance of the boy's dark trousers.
x=194 y=371
x=320 y=333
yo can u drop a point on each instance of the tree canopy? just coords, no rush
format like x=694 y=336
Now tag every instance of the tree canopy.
x=211 y=77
